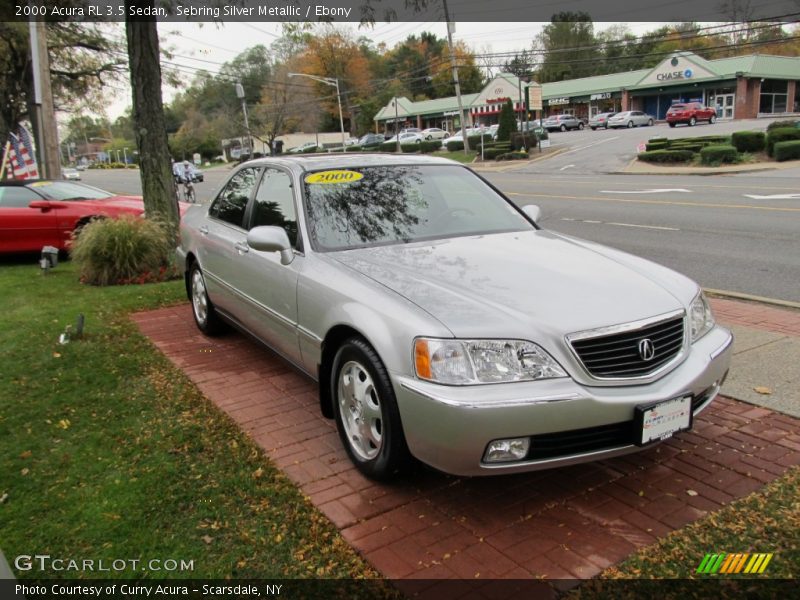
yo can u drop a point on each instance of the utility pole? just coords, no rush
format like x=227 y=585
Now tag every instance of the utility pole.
x=43 y=118
x=396 y=132
x=241 y=96
x=450 y=28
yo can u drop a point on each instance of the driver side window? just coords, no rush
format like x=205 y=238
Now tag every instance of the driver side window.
x=231 y=203
x=274 y=203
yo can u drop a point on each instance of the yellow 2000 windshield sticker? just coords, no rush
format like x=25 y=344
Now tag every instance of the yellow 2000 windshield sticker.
x=337 y=176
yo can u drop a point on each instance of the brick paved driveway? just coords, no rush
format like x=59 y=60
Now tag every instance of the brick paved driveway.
x=563 y=524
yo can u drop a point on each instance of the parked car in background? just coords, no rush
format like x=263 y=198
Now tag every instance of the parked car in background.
x=458 y=136
x=407 y=138
x=45 y=212
x=434 y=133
x=562 y=123
x=690 y=113
x=307 y=147
x=81 y=167
x=371 y=139
x=411 y=130
x=631 y=118
x=442 y=322
x=69 y=174
x=600 y=120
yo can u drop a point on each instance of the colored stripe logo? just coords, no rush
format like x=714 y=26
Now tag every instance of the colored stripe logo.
x=727 y=563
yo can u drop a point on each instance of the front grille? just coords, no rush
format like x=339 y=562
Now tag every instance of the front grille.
x=578 y=441
x=617 y=355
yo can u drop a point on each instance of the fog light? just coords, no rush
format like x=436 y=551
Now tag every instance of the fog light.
x=507 y=450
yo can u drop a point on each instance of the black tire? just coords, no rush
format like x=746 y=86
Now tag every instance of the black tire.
x=692 y=122
x=563 y=128
x=429 y=138
x=381 y=458
x=630 y=124
x=203 y=311
x=712 y=120
x=190 y=195
x=594 y=128
x=650 y=123
x=580 y=125
x=672 y=124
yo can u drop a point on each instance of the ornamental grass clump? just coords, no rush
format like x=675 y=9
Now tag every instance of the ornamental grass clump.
x=124 y=250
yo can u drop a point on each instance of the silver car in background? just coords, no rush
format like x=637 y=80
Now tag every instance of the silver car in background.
x=442 y=322
x=631 y=118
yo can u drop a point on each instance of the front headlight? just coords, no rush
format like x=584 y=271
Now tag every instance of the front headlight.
x=467 y=362
x=701 y=318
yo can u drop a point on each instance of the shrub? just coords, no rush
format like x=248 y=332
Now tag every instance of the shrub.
x=782 y=124
x=523 y=140
x=430 y=146
x=660 y=139
x=492 y=153
x=475 y=140
x=666 y=156
x=512 y=156
x=353 y=149
x=410 y=148
x=787 y=150
x=312 y=150
x=718 y=154
x=693 y=148
x=748 y=141
x=650 y=146
x=781 y=134
x=123 y=250
x=454 y=145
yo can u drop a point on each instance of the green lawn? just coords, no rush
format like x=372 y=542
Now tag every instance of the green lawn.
x=458 y=155
x=108 y=452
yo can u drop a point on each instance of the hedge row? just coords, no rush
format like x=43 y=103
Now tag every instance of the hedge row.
x=666 y=156
x=782 y=124
x=748 y=141
x=781 y=134
x=788 y=150
x=718 y=154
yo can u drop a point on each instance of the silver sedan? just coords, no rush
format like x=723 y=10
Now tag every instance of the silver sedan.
x=442 y=322
x=631 y=118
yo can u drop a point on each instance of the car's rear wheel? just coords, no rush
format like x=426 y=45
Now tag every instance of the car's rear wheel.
x=650 y=123
x=429 y=138
x=594 y=128
x=712 y=120
x=563 y=128
x=672 y=124
x=580 y=125
x=366 y=412
x=630 y=124
x=205 y=315
x=692 y=122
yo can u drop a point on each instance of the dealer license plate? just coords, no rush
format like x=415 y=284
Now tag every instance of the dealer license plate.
x=660 y=420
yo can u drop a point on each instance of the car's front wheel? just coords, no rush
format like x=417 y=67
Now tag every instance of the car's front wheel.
x=630 y=124
x=692 y=122
x=205 y=315
x=563 y=128
x=712 y=120
x=580 y=126
x=672 y=124
x=366 y=411
x=650 y=123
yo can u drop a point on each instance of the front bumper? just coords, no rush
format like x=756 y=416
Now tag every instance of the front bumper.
x=449 y=427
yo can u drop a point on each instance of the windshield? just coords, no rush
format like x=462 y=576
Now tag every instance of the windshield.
x=396 y=204
x=66 y=190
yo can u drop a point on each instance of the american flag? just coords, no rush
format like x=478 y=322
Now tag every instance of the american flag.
x=20 y=156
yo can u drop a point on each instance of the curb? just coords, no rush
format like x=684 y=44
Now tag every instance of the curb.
x=752 y=298
x=626 y=170
x=514 y=165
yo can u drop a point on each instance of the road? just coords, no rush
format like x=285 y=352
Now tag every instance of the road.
x=739 y=233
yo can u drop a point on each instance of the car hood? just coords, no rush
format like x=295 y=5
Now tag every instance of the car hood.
x=523 y=283
x=131 y=202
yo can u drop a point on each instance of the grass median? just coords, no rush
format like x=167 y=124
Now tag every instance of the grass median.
x=109 y=452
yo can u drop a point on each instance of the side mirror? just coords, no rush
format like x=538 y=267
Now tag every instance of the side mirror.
x=42 y=205
x=271 y=239
x=533 y=211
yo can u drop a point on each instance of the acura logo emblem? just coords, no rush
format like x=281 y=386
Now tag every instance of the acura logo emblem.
x=646 y=349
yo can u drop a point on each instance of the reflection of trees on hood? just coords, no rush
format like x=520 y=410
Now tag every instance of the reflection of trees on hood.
x=382 y=206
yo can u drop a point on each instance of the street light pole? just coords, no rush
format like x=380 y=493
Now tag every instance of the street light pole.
x=125 y=155
x=332 y=81
x=450 y=28
x=396 y=133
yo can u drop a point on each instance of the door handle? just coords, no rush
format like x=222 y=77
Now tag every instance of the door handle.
x=203 y=229
x=241 y=247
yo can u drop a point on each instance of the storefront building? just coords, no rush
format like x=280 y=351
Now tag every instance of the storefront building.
x=741 y=87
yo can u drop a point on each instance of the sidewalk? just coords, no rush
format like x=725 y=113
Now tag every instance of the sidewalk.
x=562 y=524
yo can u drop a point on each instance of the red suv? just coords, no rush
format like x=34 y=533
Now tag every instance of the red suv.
x=691 y=113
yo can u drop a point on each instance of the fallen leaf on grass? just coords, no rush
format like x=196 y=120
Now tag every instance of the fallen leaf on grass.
x=64 y=423
x=3 y=498
x=258 y=472
x=24 y=471
x=763 y=390
x=26 y=454
x=207 y=539
x=56 y=355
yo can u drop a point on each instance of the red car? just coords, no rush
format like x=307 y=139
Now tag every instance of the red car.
x=44 y=213
x=690 y=113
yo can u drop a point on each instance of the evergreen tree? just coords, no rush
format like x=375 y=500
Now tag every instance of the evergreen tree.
x=508 y=122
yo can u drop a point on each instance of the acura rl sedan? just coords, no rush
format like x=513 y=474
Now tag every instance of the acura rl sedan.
x=443 y=323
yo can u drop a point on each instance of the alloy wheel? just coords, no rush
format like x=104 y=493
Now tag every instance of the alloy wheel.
x=360 y=410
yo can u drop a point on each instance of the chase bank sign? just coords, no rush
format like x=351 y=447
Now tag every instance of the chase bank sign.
x=673 y=75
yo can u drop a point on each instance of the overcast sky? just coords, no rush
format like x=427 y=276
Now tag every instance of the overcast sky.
x=207 y=45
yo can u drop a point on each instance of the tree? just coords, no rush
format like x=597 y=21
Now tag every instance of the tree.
x=149 y=125
x=508 y=122
x=568 y=44
x=83 y=59
x=470 y=77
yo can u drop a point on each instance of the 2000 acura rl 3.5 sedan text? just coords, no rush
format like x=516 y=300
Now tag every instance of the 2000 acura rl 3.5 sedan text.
x=442 y=322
